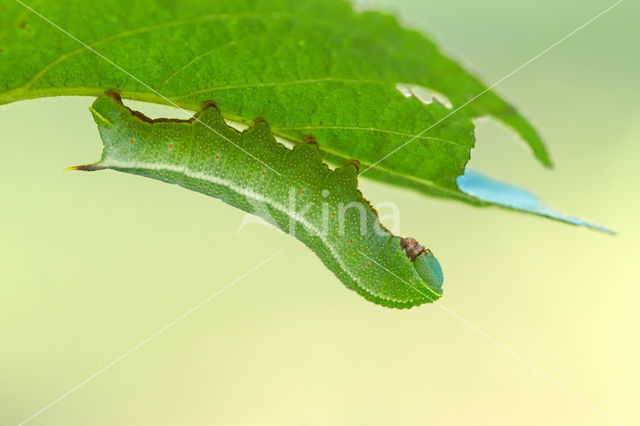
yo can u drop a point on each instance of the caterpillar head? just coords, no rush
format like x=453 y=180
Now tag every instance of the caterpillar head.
x=425 y=263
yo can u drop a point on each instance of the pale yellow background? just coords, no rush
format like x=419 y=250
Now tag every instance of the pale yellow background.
x=92 y=264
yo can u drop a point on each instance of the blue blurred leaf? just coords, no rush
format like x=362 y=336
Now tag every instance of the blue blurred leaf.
x=511 y=196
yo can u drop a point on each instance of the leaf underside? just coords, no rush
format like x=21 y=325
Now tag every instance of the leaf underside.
x=321 y=207
x=307 y=67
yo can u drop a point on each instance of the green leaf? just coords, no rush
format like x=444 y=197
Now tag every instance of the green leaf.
x=307 y=67
x=301 y=195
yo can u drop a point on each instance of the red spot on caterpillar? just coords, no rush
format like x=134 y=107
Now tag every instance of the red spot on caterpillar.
x=217 y=156
x=368 y=264
x=263 y=173
x=131 y=141
x=170 y=146
x=302 y=192
x=333 y=213
x=350 y=241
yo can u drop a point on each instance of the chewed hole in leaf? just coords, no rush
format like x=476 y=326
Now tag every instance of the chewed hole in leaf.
x=423 y=94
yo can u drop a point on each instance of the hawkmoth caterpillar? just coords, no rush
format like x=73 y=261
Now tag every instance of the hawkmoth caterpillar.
x=292 y=188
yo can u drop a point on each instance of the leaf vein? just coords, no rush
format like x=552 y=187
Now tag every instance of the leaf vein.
x=373 y=129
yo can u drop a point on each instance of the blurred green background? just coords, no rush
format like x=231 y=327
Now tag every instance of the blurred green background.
x=92 y=264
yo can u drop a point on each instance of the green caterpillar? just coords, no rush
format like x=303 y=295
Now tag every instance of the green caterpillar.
x=291 y=188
